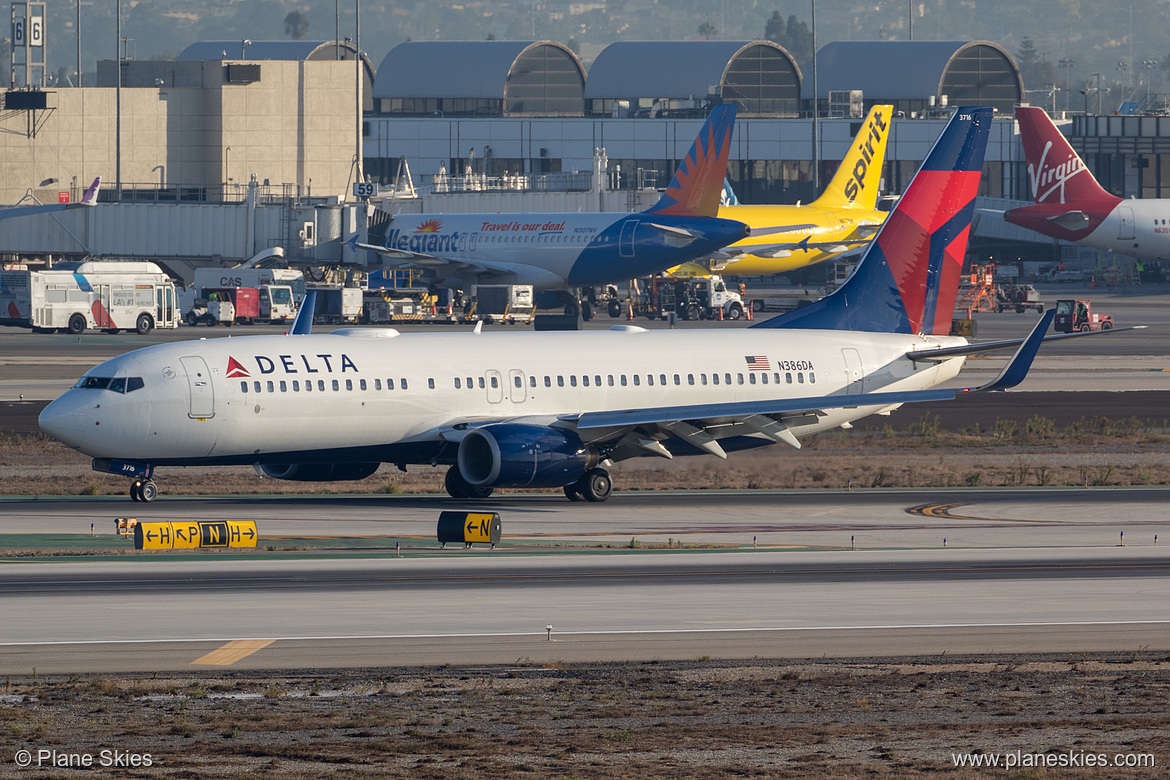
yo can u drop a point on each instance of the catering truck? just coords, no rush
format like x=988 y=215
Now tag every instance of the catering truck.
x=109 y=295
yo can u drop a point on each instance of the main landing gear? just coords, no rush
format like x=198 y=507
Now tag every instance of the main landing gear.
x=143 y=490
x=458 y=487
x=594 y=485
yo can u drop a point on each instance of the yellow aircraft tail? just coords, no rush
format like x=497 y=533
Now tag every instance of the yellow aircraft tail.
x=856 y=182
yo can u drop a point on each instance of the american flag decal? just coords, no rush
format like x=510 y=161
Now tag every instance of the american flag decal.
x=757 y=362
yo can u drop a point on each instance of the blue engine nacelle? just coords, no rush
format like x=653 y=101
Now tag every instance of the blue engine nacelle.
x=319 y=472
x=510 y=455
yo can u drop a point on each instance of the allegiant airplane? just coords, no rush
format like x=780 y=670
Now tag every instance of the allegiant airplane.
x=573 y=250
x=557 y=409
x=843 y=219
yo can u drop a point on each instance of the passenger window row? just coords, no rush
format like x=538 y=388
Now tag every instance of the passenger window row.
x=482 y=383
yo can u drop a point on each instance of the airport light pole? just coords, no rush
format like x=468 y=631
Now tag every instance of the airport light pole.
x=1065 y=63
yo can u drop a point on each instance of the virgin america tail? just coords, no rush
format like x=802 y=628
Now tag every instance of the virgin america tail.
x=1071 y=205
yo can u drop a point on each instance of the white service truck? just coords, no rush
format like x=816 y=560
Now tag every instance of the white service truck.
x=280 y=289
x=109 y=295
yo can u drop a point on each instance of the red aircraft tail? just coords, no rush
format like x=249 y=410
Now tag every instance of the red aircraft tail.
x=1056 y=172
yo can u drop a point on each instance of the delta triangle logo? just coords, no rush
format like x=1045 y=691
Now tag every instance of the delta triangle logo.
x=234 y=369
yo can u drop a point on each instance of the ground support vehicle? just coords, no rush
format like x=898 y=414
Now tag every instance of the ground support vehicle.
x=337 y=305
x=1078 y=315
x=75 y=296
x=1020 y=297
x=225 y=306
x=507 y=303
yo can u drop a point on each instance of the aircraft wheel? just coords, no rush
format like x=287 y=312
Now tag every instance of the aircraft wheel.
x=615 y=309
x=144 y=325
x=148 y=491
x=481 y=491
x=77 y=324
x=136 y=490
x=455 y=484
x=573 y=492
x=596 y=485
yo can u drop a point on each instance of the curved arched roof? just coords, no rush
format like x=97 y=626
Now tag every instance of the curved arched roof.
x=690 y=69
x=459 y=69
x=968 y=72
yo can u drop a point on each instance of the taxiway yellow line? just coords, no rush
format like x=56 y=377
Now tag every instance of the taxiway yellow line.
x=232 y=652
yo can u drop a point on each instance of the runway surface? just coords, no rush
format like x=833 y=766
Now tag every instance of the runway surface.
x=1024 y=571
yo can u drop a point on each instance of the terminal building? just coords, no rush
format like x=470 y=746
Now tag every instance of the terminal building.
x=235 y=146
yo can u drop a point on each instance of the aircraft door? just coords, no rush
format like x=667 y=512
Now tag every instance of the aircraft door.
x=854 y=371
x=495 y=386
x=199 y=383
x=1125 y=228
x=518 y=393
x=626 y=244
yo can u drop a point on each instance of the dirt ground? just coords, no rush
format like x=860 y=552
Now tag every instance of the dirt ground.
x=642 y=719
x=921 y=453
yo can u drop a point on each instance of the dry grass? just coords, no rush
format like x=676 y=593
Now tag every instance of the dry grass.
x=1097 y=451
x=774 y=719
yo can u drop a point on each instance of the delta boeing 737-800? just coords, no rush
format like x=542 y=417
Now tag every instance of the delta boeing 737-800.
x=556 y=409
x=564 y=251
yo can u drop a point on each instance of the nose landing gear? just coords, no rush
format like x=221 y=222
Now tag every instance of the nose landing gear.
x=143 y=490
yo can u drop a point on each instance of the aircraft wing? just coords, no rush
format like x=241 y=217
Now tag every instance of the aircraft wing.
x=638 y=431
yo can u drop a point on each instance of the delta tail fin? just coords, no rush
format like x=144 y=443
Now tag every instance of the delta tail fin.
x=908 y=278
x=859 y=177
x=1056 y=172
x=697 y=185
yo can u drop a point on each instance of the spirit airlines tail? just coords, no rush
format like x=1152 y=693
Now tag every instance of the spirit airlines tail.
x=556 y=251
x=1071 y=205
x=555 y=409
x=843 y=218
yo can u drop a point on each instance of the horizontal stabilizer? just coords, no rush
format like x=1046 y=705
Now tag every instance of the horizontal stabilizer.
x=1071 y=220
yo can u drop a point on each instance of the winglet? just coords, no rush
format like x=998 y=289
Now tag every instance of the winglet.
x=303 y=324
x=697 y=185
x=1017 y=368
x=90 y=196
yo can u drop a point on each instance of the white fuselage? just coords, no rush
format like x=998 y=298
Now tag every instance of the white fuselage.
x=1140 y=228
x=247 y=399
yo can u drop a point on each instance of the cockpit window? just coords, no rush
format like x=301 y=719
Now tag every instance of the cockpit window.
x=122 y=384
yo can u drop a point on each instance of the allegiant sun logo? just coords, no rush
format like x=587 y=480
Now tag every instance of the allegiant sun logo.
x=430 y=226
x=234 y=369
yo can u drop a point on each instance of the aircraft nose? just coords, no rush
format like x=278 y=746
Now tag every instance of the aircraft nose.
x=62 y=419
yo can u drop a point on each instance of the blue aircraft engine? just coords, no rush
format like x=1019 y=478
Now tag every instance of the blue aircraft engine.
x=319 y=472
x=511 y=455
